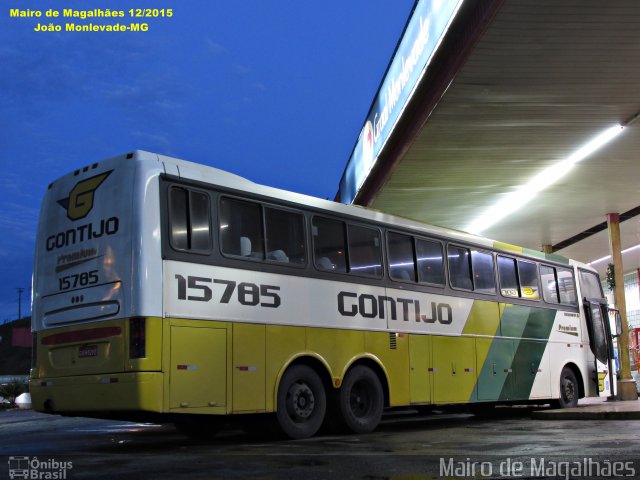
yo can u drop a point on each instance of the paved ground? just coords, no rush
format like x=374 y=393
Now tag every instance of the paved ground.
x=406 y=446
x=594 y=409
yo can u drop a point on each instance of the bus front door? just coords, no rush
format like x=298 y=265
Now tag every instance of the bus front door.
x=601 y=343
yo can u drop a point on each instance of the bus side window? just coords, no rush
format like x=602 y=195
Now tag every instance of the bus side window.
x=590 y=284
x=285 y=236
x=329 y=244
x=189 y=220
x=179 y=218
x=508 y=277
x=528 y=274
x=430 y=262
x=365 y=251
x=549 y=284
x=241 y=228
x=566 y=286
x=401 y=263
x=459 y=267
x=484 y=277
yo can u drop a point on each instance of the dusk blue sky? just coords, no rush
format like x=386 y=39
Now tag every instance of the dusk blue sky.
x=276 y=91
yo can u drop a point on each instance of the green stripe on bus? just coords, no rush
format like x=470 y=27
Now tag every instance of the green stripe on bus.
x=510 y=365
x=484 y=319
x=528 y=352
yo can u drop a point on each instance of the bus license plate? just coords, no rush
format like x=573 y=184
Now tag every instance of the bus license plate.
x=88 y=351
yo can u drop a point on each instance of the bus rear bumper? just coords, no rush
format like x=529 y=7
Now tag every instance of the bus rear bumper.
x=96 y=394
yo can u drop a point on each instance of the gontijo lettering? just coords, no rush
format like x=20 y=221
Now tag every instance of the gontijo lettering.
x=83 y=233
x=370 y=306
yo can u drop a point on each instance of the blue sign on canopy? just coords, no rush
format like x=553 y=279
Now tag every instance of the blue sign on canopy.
x=425 y=30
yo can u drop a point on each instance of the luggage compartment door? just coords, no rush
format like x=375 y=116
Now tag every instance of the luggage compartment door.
x=198 y=376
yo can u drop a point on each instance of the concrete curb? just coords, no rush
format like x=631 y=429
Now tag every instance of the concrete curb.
x=594 y=410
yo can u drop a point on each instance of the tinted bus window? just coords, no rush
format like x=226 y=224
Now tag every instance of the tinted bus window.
x=200 y=222
x=484 y=278
x=590 y=285
x=365 y=256
x=178 y=218
x=529 y=286
x=549 y=284
x=430 y=262
x=189 y=220
x=566 y=286
x=285 y=236
x=329 y=244
x=459 y=267
x=241 y=228
x=508 y=277
x=401 y=263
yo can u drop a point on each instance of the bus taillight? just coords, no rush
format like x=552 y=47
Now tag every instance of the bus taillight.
x=137 y=337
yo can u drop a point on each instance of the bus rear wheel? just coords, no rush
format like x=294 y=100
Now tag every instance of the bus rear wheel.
x=360 y=400
x=302 y=402
x=569 y=390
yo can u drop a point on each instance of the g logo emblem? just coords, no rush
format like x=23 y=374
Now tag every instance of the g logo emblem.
x=80 y=200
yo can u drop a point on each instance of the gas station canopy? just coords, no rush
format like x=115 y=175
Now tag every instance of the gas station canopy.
x=513 y=119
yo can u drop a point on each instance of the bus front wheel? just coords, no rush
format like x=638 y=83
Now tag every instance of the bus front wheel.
x=569 y=390
x=361 y=400
x=302 y=402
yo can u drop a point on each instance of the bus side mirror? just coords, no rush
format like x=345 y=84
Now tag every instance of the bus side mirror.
x=615 y=320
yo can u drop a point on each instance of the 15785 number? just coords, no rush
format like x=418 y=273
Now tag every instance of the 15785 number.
x=76 y=280
x=198 y=289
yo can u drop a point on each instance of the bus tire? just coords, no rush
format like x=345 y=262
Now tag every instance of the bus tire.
x=361 y=400
x=302 y=402
x=569 y=389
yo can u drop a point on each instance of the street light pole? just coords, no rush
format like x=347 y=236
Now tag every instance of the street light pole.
x=20 y=290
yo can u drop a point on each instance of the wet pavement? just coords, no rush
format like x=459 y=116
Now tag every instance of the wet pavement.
x=407 y=445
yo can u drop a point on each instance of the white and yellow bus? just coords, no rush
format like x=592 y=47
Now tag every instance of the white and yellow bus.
x=171 y=290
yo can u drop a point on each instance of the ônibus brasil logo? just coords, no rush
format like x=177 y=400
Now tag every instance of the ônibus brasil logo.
x=32 y=468
x=80 y=200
